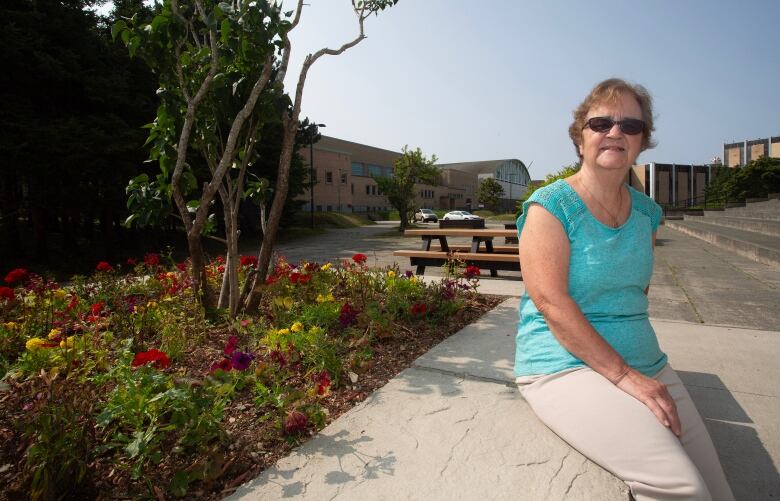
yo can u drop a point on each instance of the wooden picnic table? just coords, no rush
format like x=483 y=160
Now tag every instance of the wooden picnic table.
x=481 y=253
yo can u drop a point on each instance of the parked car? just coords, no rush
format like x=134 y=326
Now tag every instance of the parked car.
x=425 y=215
x=461 y=215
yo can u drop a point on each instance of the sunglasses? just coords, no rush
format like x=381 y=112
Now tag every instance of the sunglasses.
x=630 y=126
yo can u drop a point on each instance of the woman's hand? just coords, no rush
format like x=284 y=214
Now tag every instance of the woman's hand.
x=655 y=396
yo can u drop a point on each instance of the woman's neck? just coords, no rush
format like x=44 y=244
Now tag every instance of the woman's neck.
x=605 y=185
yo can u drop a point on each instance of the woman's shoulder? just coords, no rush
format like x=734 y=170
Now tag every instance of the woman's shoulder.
x=558 y=198
x=645 y=205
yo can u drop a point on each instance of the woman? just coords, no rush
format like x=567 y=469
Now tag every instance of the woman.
x=588 y=361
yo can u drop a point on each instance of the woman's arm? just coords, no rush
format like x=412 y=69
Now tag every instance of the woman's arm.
x=544 y=259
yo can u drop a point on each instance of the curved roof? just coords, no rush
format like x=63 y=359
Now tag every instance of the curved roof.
x=482 y=167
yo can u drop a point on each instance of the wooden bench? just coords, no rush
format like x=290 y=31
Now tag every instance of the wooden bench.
x=492 y=261
x=498 y=249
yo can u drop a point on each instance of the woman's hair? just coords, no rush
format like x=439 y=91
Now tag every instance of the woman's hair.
x=609 y=92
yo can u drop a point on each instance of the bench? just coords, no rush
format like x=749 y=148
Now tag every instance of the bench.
x=498 y=249
x=484 y=260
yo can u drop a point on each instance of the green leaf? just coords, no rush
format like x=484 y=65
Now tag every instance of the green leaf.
x=158 y=22
x=125 y=36
x=135 y=42
x=118 y=27
x=225 y=30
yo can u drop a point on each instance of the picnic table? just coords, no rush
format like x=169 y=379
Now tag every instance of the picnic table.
x=481 y=252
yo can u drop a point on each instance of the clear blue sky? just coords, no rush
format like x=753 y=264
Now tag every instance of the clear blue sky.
x=482 y=80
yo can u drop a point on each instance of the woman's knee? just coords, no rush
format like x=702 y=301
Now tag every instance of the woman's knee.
x=688 y=486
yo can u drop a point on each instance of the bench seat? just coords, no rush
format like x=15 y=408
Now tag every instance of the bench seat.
x=498 y=249
x=484 y=260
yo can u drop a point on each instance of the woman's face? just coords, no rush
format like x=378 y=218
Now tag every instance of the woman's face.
x=612 y=150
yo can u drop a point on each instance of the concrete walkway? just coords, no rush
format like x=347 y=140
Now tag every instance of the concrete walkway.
x=454 y=427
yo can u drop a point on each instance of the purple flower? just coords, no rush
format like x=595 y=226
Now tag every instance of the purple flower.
x=241 y=360
x=408 y=273
x=348 y=315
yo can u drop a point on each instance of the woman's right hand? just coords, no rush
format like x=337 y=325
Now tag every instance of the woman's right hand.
x=655 y=396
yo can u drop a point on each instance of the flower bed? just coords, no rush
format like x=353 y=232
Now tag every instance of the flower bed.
x=120 y=385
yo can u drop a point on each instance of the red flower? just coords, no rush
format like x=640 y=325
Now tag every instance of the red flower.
x=223 y=365
x=471 y=271
x=151 y=259
x=295 y=422
x=359 y=258
x=419 y=309
x=131 y=261
x=230 y=347
x=248 y=261
x=97 y=307
x=157 y=358
x=104 y=266
x=220 y=259
x=278 y=357
x=221 y=268
x=182 y=266
x=7 y=293
x=74 y=300
x=322 y=381
x=16 y=275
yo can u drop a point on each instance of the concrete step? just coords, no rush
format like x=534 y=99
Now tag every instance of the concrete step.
x=758 y=247
x=764 y=226
x=752 y=215
x=766 y=207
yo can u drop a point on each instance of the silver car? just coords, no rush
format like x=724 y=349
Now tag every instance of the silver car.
x=461 y=215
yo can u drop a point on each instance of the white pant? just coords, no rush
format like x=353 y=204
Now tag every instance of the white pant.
x=621 y=434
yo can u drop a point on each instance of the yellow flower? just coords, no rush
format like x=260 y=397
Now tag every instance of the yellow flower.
x=10 y=325
x=170 y=274
x=54 y=333
x=151 y=304
x=283 y=331
x=296 y=327
x=316 y=329
x=326 y=266
x=283 y=302
x=59 y=294
x=34 y=343
x=67 y=343
x=325 y=299
x=391 y=273
x=413 y=279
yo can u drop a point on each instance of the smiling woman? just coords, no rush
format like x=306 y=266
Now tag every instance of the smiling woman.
x=587 y=359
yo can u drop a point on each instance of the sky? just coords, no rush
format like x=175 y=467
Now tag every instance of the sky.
x=474 y=80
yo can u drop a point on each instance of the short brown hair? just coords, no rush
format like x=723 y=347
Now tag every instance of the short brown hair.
x=609 y=91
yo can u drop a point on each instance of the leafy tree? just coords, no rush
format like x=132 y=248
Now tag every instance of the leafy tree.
x=221 y=67
x=756 y=179
x=410 y=168
x=566 y=171
x=489 y=192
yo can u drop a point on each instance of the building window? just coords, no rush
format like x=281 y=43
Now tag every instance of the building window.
x=375 y=171
x=343 y=178
x=352 y=188
x=357 y=169
x=368 y=190
x=328 y=177
x=330 y=208
x=373 y=189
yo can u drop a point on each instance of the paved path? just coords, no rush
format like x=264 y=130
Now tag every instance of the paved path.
x=453 y=427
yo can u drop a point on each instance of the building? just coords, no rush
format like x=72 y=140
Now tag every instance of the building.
x=743 y=152
x=671 y=184
x=344 y=174
x=511 y=174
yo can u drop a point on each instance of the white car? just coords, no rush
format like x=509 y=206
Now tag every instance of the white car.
x=461 y=215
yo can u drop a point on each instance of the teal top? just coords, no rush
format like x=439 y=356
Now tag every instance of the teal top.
x=609 y=270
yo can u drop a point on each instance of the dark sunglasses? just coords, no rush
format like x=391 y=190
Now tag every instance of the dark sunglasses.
x=630 y=126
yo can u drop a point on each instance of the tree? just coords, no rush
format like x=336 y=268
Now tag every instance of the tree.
x=221 y=67
x=756 y=179
x=410 y=168
x=489 y=192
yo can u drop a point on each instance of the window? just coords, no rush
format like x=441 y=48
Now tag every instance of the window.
x=352 y=188
x=357 y=169
x=343 y=178
x=368 y=190
x=328 y=177
x=375 y=171
x=373 y=189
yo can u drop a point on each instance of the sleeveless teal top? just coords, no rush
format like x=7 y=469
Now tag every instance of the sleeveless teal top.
x=609 y=270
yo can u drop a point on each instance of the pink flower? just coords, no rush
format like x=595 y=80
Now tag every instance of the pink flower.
x=230 y=347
